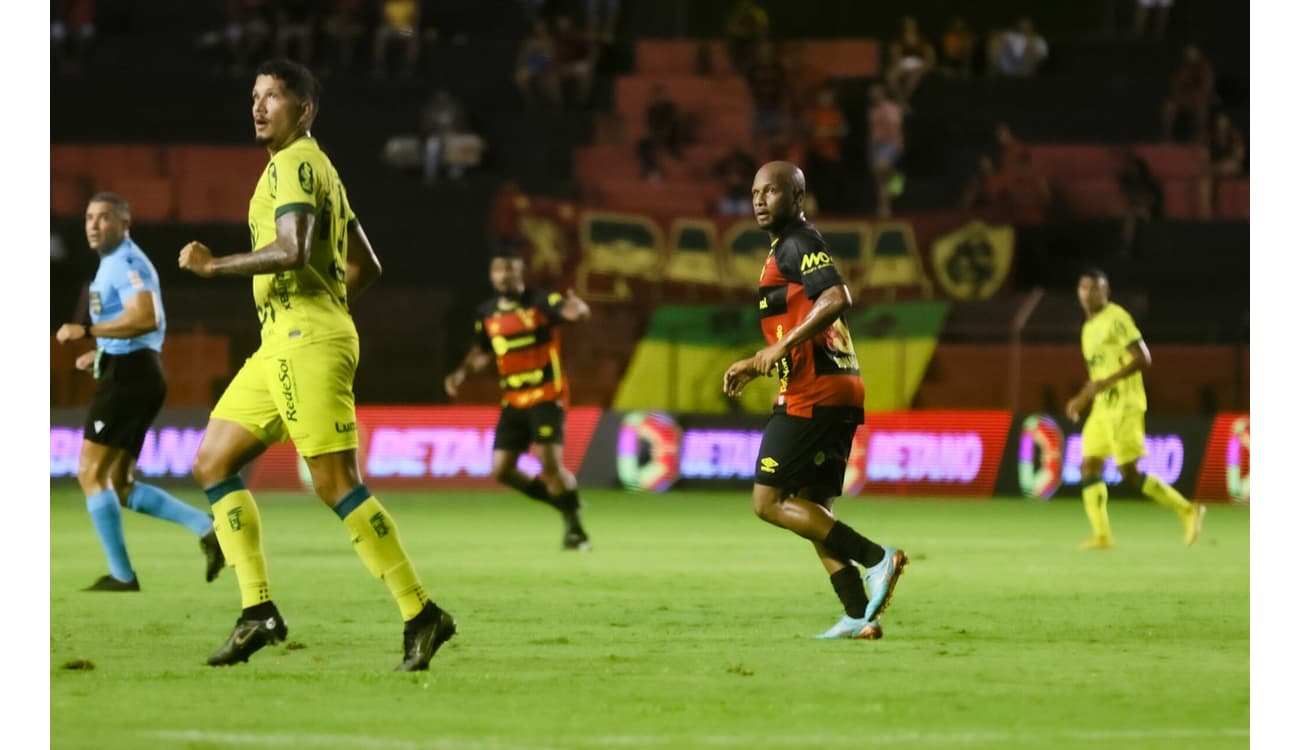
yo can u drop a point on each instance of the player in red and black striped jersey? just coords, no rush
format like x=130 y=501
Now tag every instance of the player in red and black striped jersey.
x=805 y=448
x=519 y=327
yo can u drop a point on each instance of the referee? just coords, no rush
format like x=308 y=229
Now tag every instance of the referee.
x=128 y=324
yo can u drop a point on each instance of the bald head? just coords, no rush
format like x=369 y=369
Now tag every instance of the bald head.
x=778 y=194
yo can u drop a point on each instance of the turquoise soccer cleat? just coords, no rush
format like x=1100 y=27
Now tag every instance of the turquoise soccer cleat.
x=881 y=579
x=854 y=627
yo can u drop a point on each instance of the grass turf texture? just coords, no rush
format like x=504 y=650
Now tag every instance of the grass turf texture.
x=688 y=626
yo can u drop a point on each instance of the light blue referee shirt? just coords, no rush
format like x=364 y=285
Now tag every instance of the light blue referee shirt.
x=124 y=272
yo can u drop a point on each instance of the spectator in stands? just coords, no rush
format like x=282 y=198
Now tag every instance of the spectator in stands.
x=1143 y=196
x=1227 y=152
x=399 y=20
x=746 y=27
x=1190 y=93
x=664 y=132
x=885 y=121
x=1017 y=53
x=986 y=188
x=575 y=57
x=1010 y=149
x=602 y=17
x=825 y=127
x=72 y=31
x=735 y=172
x=767 y=88
x=296 y=22
x=1027 y=190
x=535 y=66
x=957 y=49
x=444 y=124
x=248 y=27
x=911 y=58
x=343 y=28
x=1144 y=9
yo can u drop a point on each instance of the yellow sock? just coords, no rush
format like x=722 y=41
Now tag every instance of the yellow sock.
x=374 y=537
x=1094 y=504
x=239 y=532
x=1155 y=488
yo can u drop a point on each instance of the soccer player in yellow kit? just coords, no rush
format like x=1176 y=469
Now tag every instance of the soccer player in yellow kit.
x=310 y=258
x=1116 y=356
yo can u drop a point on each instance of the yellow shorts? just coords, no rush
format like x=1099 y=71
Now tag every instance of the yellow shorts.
x=1121 y=434
x=303 y=393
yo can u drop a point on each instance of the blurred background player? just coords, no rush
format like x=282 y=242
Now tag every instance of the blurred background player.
x=806 y=442
x=129 y=324
x=1116 y=357
x=519 y=326
x=310 y=259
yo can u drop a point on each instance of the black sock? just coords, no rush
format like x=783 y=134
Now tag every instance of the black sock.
x=851 y=591
x=260 y=611
x=536 y=489
x=846 y=544
x=566 y=502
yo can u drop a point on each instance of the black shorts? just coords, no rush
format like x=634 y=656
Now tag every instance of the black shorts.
x=519 y=428
x=130 y=394
x=798 y=453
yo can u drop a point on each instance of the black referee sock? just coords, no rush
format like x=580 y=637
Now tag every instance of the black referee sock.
x=848 y=586
x=846 y=544
x=567 y=502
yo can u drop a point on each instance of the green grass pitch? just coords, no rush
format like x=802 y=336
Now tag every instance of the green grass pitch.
x=688 y=626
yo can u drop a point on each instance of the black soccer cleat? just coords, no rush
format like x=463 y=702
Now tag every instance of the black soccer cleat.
x=247 y=638
x=422 y=637
x=216 y=559
x=109 y=583
x=575 y=537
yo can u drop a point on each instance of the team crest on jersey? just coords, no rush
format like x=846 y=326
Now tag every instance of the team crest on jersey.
x=272 y=181
x=96 y=305
x=306 y=178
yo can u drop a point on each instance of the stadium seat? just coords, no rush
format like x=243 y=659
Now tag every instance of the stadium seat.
x=126 y=161
x=843 y=58
x=1096 y=197
x=242 y=165
x=681 y=57
x=1173 y=160
x=1180 y=198
x=212 y=198
x=1071 y=161
x=68 y=195
x=692 y=261
x=151 y=198
x=70 y=160
x=1234 y=199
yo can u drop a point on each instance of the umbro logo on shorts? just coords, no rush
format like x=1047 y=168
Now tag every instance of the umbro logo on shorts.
x=99 y=425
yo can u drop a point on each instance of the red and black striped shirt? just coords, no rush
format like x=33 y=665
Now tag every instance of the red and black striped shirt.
x=820 y=376
x=521 y=331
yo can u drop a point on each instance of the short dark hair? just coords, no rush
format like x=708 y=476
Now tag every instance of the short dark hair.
x=1094 y=273
x=119 y=204
x=297 y=78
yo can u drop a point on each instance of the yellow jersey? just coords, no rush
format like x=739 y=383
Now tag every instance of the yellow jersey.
x=1106 y=338
x=311 y=303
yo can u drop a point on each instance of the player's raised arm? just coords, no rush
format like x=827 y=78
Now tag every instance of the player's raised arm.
x=290 y=250
x=363 y=265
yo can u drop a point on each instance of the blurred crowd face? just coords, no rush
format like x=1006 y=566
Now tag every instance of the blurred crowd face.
x=507 y=275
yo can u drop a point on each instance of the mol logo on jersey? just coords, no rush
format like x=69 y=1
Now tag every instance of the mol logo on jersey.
x=814 y=261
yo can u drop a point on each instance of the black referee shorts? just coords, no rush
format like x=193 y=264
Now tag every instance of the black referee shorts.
x=130 y=394
x=519 y=428
x=798 y=453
